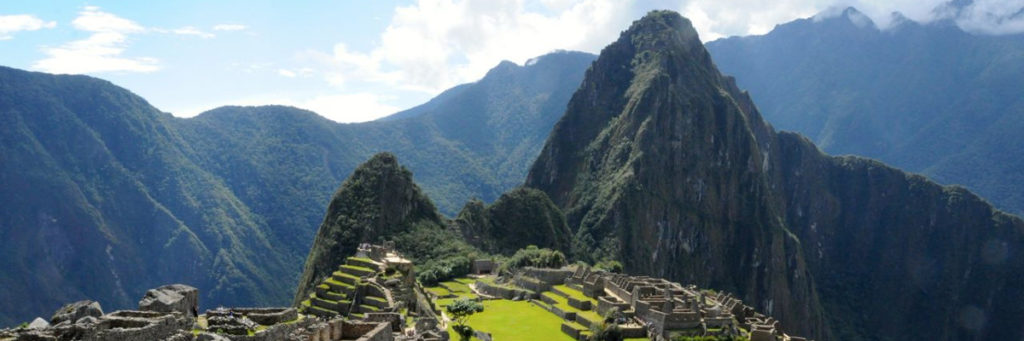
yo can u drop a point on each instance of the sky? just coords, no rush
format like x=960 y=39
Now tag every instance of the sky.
x=358 y=60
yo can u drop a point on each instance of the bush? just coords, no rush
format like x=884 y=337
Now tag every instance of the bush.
x=535 y=257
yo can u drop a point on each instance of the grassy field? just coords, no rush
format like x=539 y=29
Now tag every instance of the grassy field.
x=516 y=321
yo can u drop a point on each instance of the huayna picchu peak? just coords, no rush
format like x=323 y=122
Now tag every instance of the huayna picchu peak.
x=662 y=163
x=662 y=206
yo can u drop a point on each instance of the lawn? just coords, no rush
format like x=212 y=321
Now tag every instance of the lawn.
x=574 y=293
x=516 y=321
x=456 y=286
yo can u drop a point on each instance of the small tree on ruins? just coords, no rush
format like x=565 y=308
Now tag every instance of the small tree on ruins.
x=459 y=311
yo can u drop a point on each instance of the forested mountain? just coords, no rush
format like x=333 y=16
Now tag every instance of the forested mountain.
x=664 y=164
x=105 y=196
x=928 y=98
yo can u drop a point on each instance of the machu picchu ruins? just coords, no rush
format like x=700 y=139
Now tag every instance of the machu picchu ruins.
x=374 y=296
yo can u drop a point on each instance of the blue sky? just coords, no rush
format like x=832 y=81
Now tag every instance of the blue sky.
x=358 y=60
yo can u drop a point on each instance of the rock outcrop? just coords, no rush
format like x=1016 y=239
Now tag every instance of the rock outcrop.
x=74 y=311
x=171 y=298
x=663 y=163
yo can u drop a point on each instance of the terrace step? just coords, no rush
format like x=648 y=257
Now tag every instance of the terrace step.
x=364 y=262
x=358 y=271
x=345 y=278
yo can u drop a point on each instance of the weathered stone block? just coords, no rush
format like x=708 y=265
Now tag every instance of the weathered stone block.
x=74 y=311
x=171 y=298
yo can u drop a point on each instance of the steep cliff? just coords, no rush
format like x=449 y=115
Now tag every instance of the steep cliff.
x=662 y=163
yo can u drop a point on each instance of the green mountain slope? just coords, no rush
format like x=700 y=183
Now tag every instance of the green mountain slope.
x=927 y=98
x=101 y=199
x=227 y=201
x=662 y=163
x=378 y=202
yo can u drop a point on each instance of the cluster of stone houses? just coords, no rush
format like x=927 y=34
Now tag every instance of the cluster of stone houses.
x=667 y=309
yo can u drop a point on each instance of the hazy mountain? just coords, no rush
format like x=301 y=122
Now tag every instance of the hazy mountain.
x=662 y=163
x=106 y=196
x=927 y=98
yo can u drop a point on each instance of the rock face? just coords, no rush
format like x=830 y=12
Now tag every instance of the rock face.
x=171 y=298
x=664 y=164
x=75 y=311
x=379 y=200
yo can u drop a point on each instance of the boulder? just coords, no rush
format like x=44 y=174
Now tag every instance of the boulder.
x=75 y=311
x=38 y=323
x=171 y=298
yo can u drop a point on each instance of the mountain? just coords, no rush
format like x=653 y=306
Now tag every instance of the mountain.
x=106 y=196
x=661 y=162
x=380 y=200
x=519 y=218
x=928 y=98
x=101 y=198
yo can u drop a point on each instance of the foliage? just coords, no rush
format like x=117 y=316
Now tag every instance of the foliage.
x=535 y=257
x=521 y=217
x=609 y=265
x=459 y=311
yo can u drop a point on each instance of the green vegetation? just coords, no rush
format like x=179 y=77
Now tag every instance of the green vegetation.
x=459 y=312
x=236 y=189
x=533 y=256
x=505 y=319
x=521 y=217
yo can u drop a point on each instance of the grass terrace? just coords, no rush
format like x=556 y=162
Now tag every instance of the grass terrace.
x=505 y=320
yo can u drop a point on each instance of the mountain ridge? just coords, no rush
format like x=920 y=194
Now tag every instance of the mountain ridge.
x=925 y=97
x=678 y=176
x=202 y=200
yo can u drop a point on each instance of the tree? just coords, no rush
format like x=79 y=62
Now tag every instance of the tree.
x=459 y=311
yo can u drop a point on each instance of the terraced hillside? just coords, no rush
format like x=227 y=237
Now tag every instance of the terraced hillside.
x=347 y=292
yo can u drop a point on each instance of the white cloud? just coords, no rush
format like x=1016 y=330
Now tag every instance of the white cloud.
x=192 y=31
x=292 y=73
x=101 y=51
x=992 y=16
x=286 y=73
x=229 y=27
x=10 y=24
x=432 y=45
x=347 y=108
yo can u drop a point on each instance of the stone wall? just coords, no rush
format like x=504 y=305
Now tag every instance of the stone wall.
x=483 y=266
x=606 y=303
x=264 y=316
x=531 y=283
x=504 y=292
x=549 y=276
x=140 y=325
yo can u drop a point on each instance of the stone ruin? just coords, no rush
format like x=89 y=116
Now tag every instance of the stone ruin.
x=167 y=314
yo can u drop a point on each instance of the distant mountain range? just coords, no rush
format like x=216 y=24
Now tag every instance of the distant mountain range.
x=928 y=98
x=104 y=196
